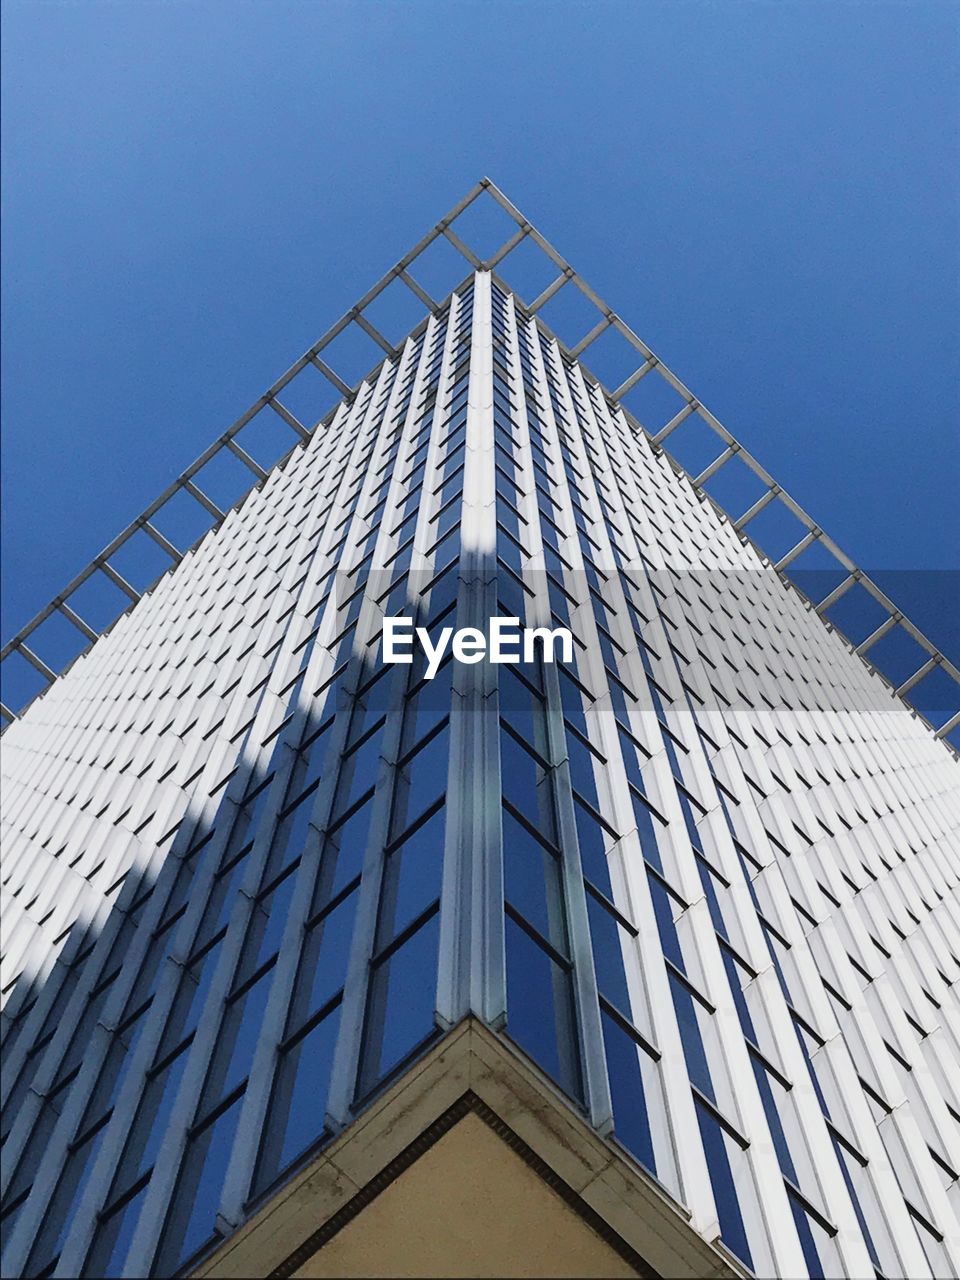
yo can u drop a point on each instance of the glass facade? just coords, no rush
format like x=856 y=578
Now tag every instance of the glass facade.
x=704 y=874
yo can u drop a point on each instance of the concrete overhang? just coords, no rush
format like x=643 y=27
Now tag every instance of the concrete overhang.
x=471 y=1164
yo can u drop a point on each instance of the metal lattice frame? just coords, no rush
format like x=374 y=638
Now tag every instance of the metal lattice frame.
x=808 y=531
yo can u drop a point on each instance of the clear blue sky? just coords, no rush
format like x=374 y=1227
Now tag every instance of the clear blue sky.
x=770 y=193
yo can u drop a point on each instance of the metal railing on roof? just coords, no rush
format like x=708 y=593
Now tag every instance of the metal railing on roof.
x=809 y=533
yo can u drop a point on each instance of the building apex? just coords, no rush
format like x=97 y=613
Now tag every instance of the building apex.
x=27 y=643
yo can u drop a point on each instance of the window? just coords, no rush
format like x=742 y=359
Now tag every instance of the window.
x=199 y=1187
x=296 y=1118
x=540 y=1010
x=724 y=1148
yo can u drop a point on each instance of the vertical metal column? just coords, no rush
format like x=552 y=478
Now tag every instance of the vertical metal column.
x=472 y=977
x=596 y=1084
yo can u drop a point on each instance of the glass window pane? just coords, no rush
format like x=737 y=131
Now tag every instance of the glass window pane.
x=738 y=978
x=297 y=1114
x=540 y=1010
x=267 y=926
x=520 y=706
x=688 y=1015
x=401 y=1003
x=430 y=703
x=609 y=938
x=359 y=767
x=191 y=997
x=593 y=855
x=774 y=1122
x=865 y=1202
x=290 y=836
x=411 y=878
x=69 y=1190
x=532 y=882
x=625 y=1066
x=526 y=786
x=343 y=855
x=664 y=908
x=237 y=1041
x=719 y=1149
x=647 y=828
x=151 y=1122
x=420 y=780
x=112 y=1238
x=194 y=1205
x=323 y=964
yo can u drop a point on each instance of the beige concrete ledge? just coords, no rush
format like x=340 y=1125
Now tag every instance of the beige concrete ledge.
x=471 y=1164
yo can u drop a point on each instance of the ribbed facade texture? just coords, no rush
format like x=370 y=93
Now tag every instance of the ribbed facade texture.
x=704 y=875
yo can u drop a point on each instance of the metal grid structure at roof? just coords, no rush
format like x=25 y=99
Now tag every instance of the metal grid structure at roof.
x=809 y=534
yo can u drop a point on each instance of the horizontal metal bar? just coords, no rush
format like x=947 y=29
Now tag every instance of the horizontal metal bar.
x=719 y=429
x=850 y=580
x=639 y=345
x=914 y=632
x=763 y=501
x=918 y=675
x=161 y=541
x=600 y=327
x=414 y=287
x=436 y=231
x=674 y=422
x=373 y=292
x=458 y=244
x=556 y=258
x=483 y=185
x=508 y=246
x=417 y=249
x=602 y=307
x=807 y=541
x=715 y=466
x=328 y=373
x=77 y=621
x=506 y=204
x=250 y=463
x=202 y=498
x=373 y=332
x=37 y=663
x=119 y=581
x=548 y=293
x=634 y=378
x=6 y=713
x=286 y=414
x=948 y=726
x=887 y=625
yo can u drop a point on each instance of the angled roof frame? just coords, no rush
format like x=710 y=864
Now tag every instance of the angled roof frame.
x=809 y=533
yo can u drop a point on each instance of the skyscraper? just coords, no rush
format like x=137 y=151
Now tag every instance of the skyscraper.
x=637 y=961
